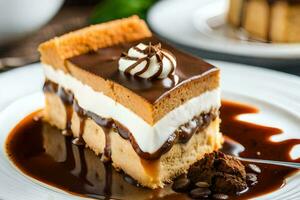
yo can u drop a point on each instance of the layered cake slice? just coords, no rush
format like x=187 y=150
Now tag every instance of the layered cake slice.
x=267 y=20
x=134 y=100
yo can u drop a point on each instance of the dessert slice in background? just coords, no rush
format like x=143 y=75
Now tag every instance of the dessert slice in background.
x=267 y=20
x=138 y=102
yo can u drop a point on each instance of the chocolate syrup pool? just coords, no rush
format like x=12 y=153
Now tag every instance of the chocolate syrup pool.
x=42 y=152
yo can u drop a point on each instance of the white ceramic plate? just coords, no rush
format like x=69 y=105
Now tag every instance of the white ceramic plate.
x=190 y=23
x=275 y=94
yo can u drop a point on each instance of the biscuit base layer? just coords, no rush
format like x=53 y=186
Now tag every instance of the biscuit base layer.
x=276 y=22
x=152 y=174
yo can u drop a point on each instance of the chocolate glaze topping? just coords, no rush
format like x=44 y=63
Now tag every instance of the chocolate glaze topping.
x=104 y=63
x=181 y=135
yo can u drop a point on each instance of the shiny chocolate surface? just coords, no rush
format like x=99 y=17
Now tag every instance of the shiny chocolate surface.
x=104 y=63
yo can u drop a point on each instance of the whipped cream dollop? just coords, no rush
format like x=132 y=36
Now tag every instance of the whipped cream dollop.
x=148 y=61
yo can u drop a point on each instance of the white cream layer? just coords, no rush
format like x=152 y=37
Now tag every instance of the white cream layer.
x=149 y=137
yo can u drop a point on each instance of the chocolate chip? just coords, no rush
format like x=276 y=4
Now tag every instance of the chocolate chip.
x=181 y=184
x=251 y=178
x=220 y=196
x=200 y=193
x=202 y=184
x=254 y=168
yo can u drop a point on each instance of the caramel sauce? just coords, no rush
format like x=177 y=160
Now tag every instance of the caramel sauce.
x=42 y=152
x=151 y=168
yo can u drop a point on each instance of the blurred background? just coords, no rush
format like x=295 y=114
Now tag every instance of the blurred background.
x=25 y=26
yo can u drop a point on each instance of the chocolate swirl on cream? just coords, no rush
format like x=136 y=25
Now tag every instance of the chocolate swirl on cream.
x=148 y=61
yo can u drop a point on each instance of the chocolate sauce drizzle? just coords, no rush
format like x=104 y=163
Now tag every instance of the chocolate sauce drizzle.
x=181 y=135
x=81 y=114
x=106 y=125
x=43 y=153
x=67 y=98
x=253 y=141
x=149 y=51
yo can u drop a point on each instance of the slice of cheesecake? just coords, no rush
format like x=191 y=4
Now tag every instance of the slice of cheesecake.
x=133 y=99
x=267 y=20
